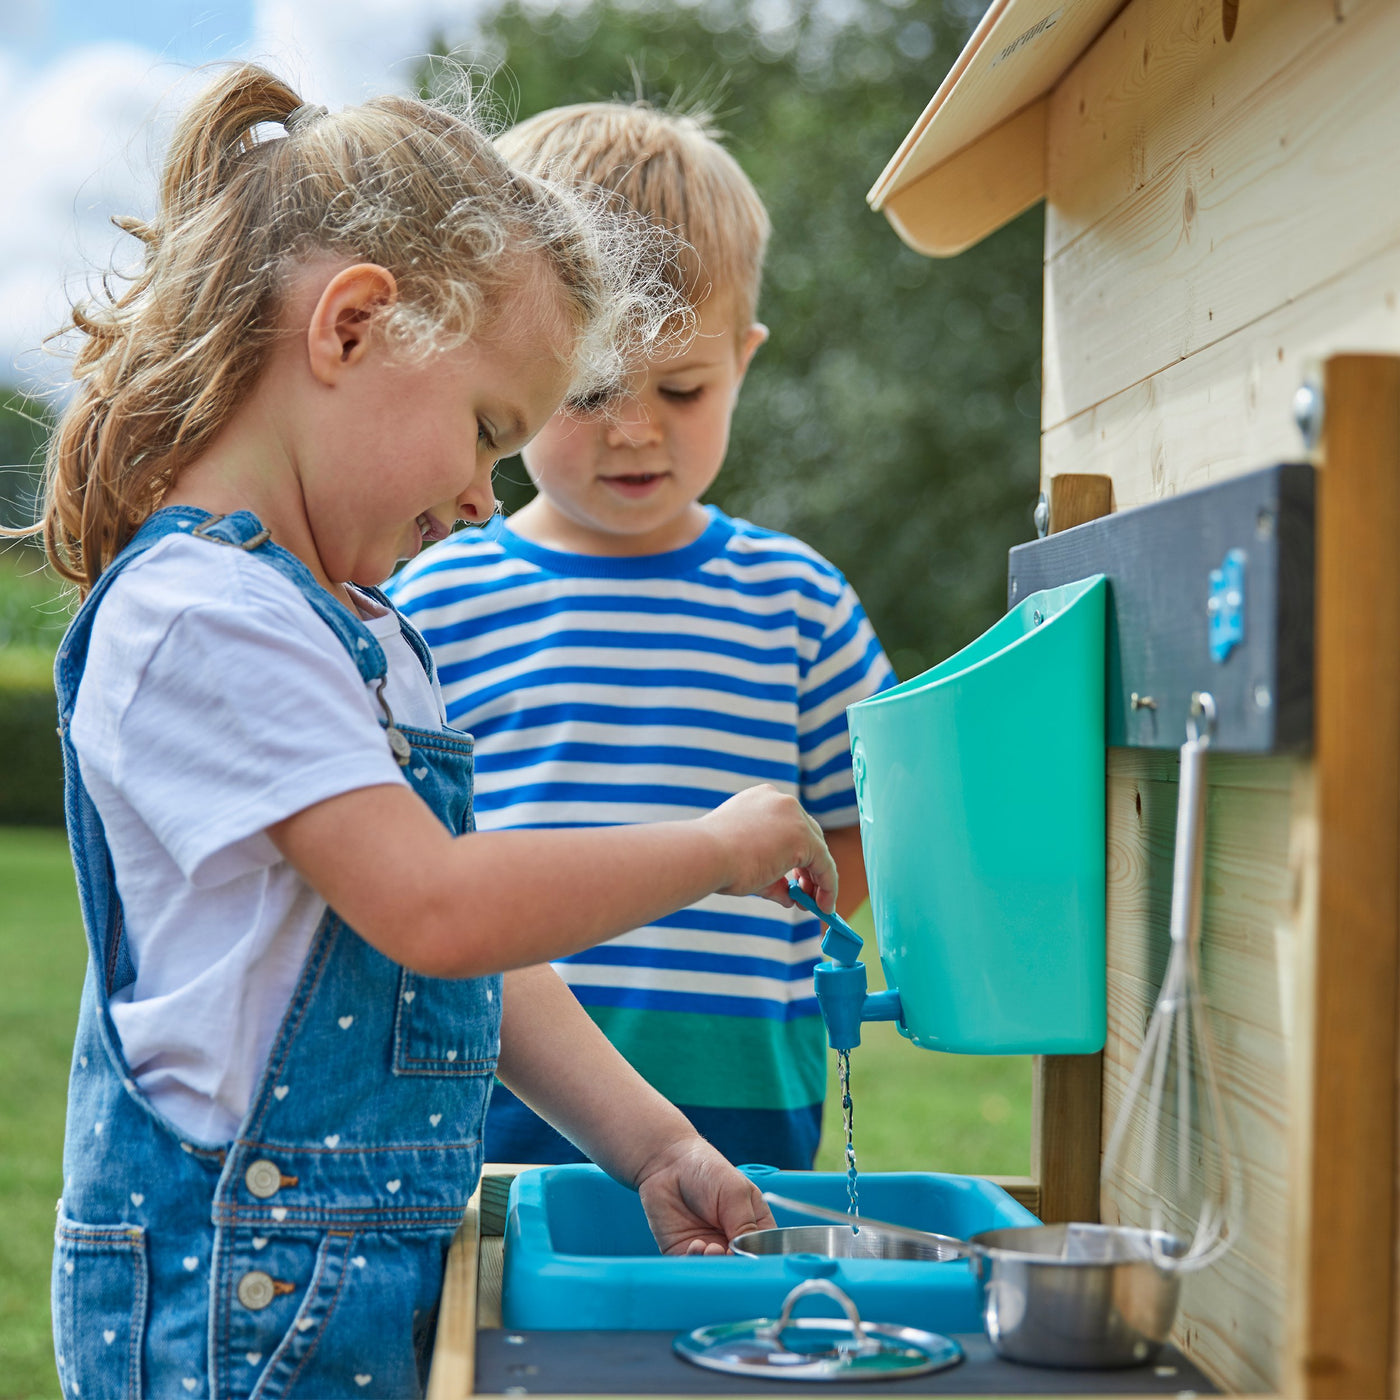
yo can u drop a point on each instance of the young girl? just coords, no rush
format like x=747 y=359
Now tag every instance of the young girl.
x=294 y=1003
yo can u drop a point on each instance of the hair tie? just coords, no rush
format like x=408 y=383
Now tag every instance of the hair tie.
x=306 y=113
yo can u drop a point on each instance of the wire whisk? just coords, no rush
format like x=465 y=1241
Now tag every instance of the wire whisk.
x=1176 y=1069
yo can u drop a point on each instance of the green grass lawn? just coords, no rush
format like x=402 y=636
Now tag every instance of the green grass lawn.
x=913 y=1110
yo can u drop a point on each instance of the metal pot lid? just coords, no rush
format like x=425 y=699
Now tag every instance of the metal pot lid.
x=817 y=1348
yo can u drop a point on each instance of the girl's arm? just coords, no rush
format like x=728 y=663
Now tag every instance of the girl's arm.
x=490 y=901
x=562 y=1065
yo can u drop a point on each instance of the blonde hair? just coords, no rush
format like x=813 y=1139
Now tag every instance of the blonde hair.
x=671 y=168
x=395 y=181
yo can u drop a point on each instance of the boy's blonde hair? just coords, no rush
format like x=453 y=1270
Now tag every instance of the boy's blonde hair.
x=411 y=186
x=671 y=168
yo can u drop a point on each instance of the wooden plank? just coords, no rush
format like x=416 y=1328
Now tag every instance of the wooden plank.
x=1351 y=1216
x=453 y=1372
x=1158 y=560
x=1017 y=52
x=1067 y=1090
x=976 y=191
x=1075 y=498
x=491 y=1272
x=1232 y=1319
x=1228 y=409
x=1065 y=1131
x=1270 y=201
x=1024 y=1190
x=1161 y=74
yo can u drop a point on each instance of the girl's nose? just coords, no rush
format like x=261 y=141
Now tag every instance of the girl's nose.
x=632 y=427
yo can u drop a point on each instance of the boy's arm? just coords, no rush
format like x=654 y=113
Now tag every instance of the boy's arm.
x=844 y=845
x=556 y=1060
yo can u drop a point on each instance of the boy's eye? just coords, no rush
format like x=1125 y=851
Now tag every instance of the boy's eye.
x=484 y=436
x=683 y=395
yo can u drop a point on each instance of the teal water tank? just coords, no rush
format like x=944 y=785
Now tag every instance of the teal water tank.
x=981 y=792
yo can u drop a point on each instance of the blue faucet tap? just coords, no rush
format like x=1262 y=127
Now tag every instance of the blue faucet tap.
x=840 y=984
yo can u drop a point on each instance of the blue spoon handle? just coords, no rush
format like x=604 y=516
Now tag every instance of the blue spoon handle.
x=842 y=943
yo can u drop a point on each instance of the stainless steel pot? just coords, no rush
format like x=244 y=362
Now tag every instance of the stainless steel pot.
x=1077 y=1295
x=841 y=1242
x=1092 y=1296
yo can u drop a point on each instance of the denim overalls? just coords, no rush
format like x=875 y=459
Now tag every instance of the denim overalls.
x=306 y=1257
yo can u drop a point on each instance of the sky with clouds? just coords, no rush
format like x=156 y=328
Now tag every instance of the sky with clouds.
x=88 y=89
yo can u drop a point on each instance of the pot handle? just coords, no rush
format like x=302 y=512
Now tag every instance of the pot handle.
x=827 y=1289
x=837 y=1217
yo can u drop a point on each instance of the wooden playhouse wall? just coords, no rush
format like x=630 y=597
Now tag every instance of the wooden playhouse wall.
x=1223 y=212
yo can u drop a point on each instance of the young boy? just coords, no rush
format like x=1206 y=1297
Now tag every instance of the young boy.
x=622 y=653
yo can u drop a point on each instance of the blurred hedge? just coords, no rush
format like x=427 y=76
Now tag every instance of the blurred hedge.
x=31 y=761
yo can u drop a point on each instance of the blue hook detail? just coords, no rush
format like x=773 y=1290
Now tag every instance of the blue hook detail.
x=840 y=984
x=1225 y=605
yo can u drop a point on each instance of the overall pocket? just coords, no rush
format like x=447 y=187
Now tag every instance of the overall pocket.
x=101 y=1280
x=447 y=1027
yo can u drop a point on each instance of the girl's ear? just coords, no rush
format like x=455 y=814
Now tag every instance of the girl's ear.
x=342 y=323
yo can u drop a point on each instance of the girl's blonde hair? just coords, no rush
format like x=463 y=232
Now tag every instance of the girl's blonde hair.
x=395 y=181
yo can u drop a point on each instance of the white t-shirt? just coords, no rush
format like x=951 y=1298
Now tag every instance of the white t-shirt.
x=214 y=703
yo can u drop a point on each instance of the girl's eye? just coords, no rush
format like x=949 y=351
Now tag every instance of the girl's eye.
x=683 y=395
x=595 y=402
x=483 y=435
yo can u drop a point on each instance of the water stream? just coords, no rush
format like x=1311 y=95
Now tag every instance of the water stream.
x=843 y=1071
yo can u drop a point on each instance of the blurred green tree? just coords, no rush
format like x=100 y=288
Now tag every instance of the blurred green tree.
x=892 y=419
x=24 y=432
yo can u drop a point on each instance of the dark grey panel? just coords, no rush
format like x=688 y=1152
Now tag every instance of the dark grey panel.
x=1158 y=560
x=642 y=1363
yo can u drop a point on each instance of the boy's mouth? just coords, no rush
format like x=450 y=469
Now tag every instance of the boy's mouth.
x=431 y=528
x=634 y=483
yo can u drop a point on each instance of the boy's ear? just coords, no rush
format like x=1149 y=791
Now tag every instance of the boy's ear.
x=342 y=323
x=748 y=347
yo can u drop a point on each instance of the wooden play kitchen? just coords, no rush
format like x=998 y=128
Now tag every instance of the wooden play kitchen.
x=1221 y=442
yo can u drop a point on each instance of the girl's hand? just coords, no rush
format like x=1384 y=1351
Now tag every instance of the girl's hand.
x=695 y=1202
x=768 y=838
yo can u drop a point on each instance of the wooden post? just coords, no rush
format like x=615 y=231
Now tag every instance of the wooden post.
x=1347 y=1178
x=1067 y=1090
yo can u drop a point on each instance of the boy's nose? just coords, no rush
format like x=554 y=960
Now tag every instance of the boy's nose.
x=632 y=427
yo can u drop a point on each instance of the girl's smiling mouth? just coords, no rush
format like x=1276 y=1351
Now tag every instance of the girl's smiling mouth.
x=431 y=528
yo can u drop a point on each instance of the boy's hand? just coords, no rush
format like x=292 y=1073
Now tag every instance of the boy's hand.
x=695 y=1202
x=767 y=839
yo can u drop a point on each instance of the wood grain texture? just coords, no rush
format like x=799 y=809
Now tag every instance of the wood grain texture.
x=1280 y=193
x=453 y=1372
x=1232 y=1316
x=1024 y=1190
x=1228 y=409
x=1077 y=498
x=976 y=191
x=1067 y=1090
x=1351 y=1191
x=1161 y=74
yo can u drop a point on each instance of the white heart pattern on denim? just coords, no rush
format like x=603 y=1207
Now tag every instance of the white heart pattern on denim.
x=393 y=1186
x=190 y=1262
x=333 y=1140
x=137 y=1198
x=253 y=1357
x=280 y=1092
x=108 y=1335
x=362 y=1379
x=346 y=1022
x=435 y=1119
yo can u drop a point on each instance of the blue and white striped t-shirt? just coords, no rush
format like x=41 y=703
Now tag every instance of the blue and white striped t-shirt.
x=609 y=690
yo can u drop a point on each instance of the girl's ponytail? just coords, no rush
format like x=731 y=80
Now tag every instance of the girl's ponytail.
x=164 y=361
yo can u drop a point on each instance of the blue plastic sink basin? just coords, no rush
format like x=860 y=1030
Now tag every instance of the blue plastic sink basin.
x=579 y=1255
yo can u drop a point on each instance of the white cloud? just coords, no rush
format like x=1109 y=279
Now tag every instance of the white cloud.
x=84 y=137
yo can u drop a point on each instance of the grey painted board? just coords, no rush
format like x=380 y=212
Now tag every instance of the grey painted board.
x=1158 y=559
